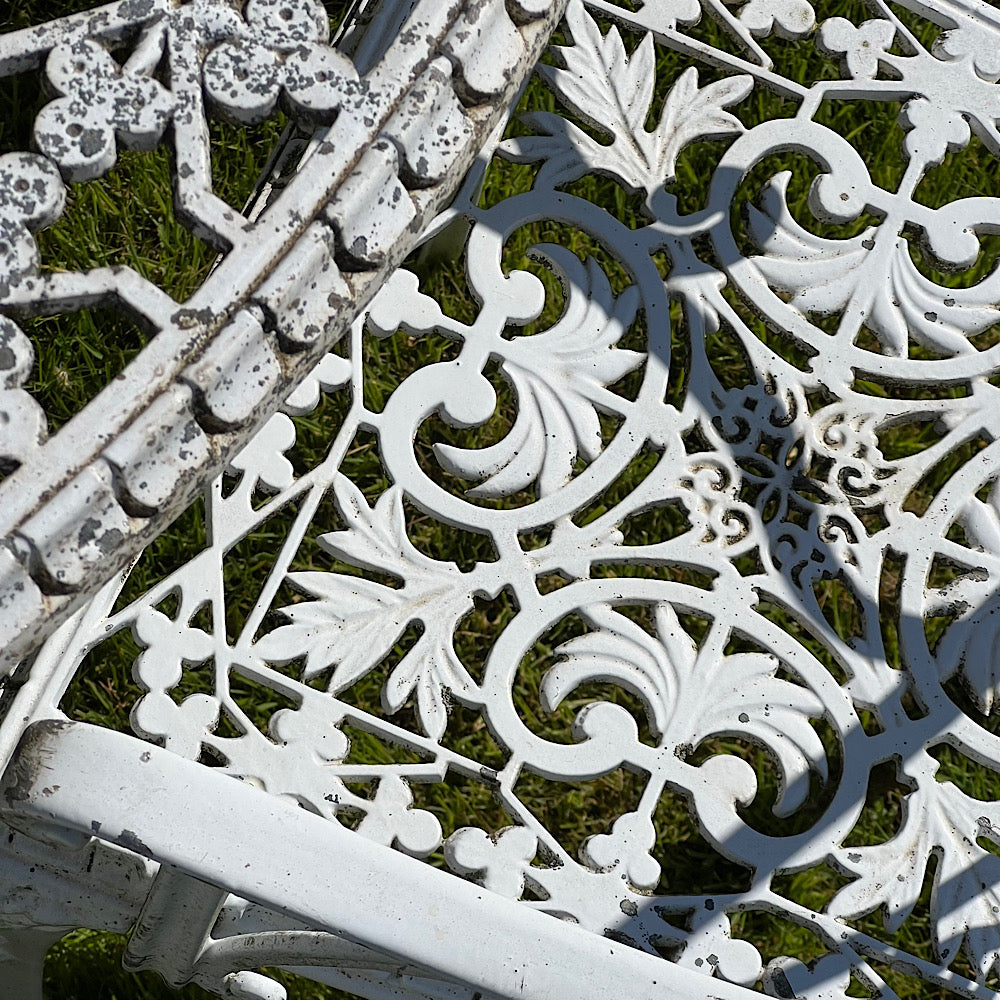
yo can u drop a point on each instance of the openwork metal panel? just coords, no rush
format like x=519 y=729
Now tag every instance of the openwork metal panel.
x=688 y=526
x=138 y=74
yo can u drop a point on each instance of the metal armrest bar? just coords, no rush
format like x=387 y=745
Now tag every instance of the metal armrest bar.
x=224 y=832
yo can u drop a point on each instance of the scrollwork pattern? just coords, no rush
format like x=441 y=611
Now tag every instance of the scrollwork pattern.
x=718 y=639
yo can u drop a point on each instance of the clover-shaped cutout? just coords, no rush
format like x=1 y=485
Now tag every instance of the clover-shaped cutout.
x=974 y=40
x=392 y=820
x=627 y=848
x=311 y=729
x=183 y=727
x=934 y=130
x=168 y=644
x=156 y=716
x=22 y=419
x=862 y=45
x=32 y=195
x=785 y=18
x=263 y=459
x=101 y=102
x=285 y=51
x=497 y=863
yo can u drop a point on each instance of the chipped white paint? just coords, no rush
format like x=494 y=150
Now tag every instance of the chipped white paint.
x=242 y=341
x=717 y=634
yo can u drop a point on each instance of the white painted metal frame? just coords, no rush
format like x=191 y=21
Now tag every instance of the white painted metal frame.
x=714 y=631
x=401 y=135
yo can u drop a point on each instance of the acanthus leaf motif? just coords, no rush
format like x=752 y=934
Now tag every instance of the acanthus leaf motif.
x=868 y=274
x=561 y=378
x=613 y=92
x=600 y=82
x=619 y=651
x=354 y=622
x=669 y=673
x=691 y=113
x=566 y=151
x=970 y=644
x=774 y=713
x=943 y=821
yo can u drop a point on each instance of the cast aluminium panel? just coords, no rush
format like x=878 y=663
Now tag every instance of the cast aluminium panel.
x=690 y=658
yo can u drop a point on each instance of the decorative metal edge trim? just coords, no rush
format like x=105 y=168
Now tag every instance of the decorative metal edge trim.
x=127 y=465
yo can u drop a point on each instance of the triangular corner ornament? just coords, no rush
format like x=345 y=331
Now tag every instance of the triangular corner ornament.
x=614 y=609
x=396 y=113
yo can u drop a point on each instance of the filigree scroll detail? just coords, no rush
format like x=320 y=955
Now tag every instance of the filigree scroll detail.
x=725 y=523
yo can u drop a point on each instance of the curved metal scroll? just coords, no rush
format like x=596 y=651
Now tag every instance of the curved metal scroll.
x=725 y=528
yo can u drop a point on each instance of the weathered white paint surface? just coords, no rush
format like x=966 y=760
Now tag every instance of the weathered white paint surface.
x=717 y=636
x=81 y=504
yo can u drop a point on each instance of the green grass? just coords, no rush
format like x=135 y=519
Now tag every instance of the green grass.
x=127 y=218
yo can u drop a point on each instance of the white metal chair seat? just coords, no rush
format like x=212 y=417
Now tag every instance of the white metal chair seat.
x=680 y=470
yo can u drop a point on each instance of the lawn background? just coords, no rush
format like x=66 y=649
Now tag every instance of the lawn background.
x=126 y=218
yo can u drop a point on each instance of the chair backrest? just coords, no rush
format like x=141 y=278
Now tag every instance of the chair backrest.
x=615 y=609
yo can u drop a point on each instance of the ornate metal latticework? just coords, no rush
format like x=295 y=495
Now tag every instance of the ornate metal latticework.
x=400 y=134
x=725 y=532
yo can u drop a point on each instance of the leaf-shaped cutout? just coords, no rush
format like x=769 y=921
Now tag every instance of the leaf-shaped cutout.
x=875 y=279
x=981 y=520
x=600 y=82
x=970 y=647
x=940 y=820
x=560 y=377
x=690 y=113
x=566 y=151
x=354 y=622
x=775 y=713
x=618 y=651
x=612 y=92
